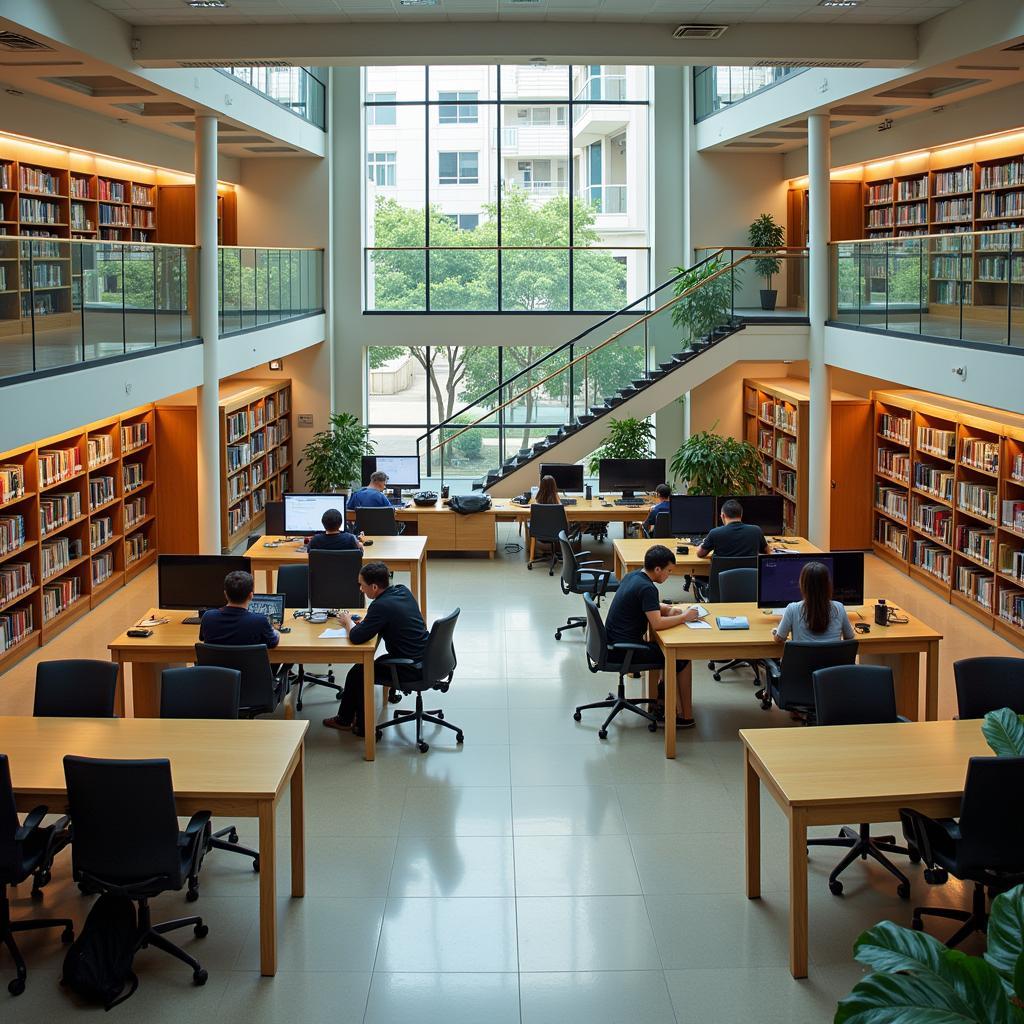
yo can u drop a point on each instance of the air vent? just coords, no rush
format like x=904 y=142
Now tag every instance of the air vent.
x=14 y=41
x=699 y=31
x=752 y=145
x=238 y=62
x=270 y=149
x=929 y=88
x=784 y=62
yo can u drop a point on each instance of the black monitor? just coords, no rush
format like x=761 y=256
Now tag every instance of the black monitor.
x=402 y=471
x=629 y=475
x=275 y=518
x=334 y=579
x=778 y=577
x=764 y=510
x=692 y=514
x=568 y=476
x=195 y=581
x=303 y=513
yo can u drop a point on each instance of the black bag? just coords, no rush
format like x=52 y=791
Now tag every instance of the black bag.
x=98 y=965
x=467 y=504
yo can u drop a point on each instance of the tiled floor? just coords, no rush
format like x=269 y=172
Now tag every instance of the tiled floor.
x=535 y=875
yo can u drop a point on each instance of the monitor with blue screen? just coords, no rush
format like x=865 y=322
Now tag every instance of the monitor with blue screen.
x=778 y=577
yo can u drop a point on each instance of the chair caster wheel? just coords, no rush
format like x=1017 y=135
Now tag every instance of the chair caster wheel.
x=903 y=890
x=766 y=705
x=256 y=865
x=16 y=987
x=424 y=747
x=36 y=894
x=917 y=924
x=717 y=677
x=440 y=715
x=914 y=855
x=199 y=977
x=558 y=635
x=201 y=931
x=935 y=876
x=459 y=737
x=652 y=727
x=711 y=666
x=602 y=734
x=67 y=936
x=192 y=895
x=233 y=836
x=577 y=716
x=529 y=568
x=835 y=887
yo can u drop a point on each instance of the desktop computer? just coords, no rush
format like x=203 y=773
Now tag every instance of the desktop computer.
x=692 y=515
x=764 y=510
x=629 y=476
x=403 y=472
x=303 y=513
x=195 y=581
x=568 y=478
x=778 y=577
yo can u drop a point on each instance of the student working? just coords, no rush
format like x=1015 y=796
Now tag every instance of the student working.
x=817 y=618
x=734 y=538
x=234 y=624
x=371 y=496
x=335 y=537
x=663 y=493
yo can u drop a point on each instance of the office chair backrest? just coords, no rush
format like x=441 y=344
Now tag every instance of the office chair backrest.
x=547 y=522
x=992 y=815
x=570 y=565
x=126 y=825
x=854 y=695
x=720 y=565
x=10 y=848
x=253 y=538
x=293 y=582
x=736 y=585
x=597 y=638
x=343 y=568
x=202 y=691
x=801 y=660
x=663 y=525
x=256 y=691
x=988 y=684
x=76 y=688
x=377 y=522
x=439 y=659
x=274 y=523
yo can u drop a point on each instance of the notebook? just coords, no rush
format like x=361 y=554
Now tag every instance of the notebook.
x=732 y=622
x=271 y=605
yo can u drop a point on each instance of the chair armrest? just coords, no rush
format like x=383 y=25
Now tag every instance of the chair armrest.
x=580 y=554
x=395 y=661
x=773 y=667
x=627 y=647
x=589 y=561
x=902 y=718
x=927 y=834
x=195 y=826
x=32 y=821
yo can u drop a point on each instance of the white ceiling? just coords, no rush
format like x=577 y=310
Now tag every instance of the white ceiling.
x=730 y=12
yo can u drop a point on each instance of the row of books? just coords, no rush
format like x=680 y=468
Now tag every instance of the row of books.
x=272 y=464
x=236 y=424
x=940 y=442
x=932 y=558
x=997 y=204
x=999 y=268
x=896 y=428
x=257 y=416
x=981 y=499
x=998 y=175
x=880 y=193
x=134 y=475
x=101 y=490
x=3 y=280
x=976 y=584
x=134 y=511
x=114 y=216
x=1003 y=241
x=12 y=482
x=38 y=305
x=15 y=625
x=258 y=443
x=57 y=509
x=112 y=191
x=38 y=211
x=143 y=219
x=102 y=567
x=889 y=534
x=937 y=480
x=56 y=464
x=275 y=434
x=237 y=456
x=764 y=439
x=237 y=486
x=12 y=533
x=912 y=213
x=786 y=483
x=59 y=596
x=15 y=579
x=81 y=188
x=935 y=520
x=881 y=217
x=58 y=554
x=239 y=515
x=1011 y=606
x=35 y=179
x=135 y=547
x=259 y=500
x=954 y=210
x=767 y=472
x=5 y=175
x=894 y=463
x=134 y=435
x=100 y=449
x=785 y=449
x=951 y=293
x=979 y=453
x=1011 y=561
x=142 y=194
x=785 y=416
x=960 y=180
x=101 y=529
x=950 y=243
x=80 y=221
x=979 y=543
x=258 y=472
x=955 y=268
x=912 y=188
x=1013 y=514
x=893 y=501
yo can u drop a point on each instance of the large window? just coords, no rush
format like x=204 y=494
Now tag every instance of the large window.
x=519 y=188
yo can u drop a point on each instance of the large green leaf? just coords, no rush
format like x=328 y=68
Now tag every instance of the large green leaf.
x=1006 y=934
x=904 y=999
x=1004 y=732
x=890 y=948
x=979 y=985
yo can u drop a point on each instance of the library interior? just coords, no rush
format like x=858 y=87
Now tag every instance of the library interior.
x=512 y=510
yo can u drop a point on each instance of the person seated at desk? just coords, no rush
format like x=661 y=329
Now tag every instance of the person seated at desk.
x=734 y=538
x=371 y=496
x=234 y=624
x=637 y=607
x=817 y=618
x=395 y=617
x=547 y=493
x=334 y=538
x=663 y=493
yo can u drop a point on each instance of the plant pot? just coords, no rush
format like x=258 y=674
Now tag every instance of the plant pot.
x=768 y=297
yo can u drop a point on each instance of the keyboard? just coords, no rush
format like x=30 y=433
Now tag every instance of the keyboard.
x=399 y=504
x=569 y=501
x=632 y=502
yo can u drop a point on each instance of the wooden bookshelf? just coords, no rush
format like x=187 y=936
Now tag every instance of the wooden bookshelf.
x=951 y=474
x=77 y=558
x=256 y=453
x=776 y=421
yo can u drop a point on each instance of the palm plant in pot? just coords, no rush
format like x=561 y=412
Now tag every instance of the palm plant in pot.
x=766 y=233
x=708 y=463
x=333 y=458
x=629 y=438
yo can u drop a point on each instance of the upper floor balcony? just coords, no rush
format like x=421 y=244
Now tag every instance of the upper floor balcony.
x=720 y=86
x=303 y=91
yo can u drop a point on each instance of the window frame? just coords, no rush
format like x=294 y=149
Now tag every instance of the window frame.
x=374 y=165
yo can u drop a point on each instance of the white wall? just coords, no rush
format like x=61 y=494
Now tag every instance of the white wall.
x=284 y=203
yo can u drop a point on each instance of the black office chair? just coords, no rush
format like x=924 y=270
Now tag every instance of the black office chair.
x=106 y=799
x=260 y=692
x=341 y=568
x=25 y=849
x=293 y=582
x=378 y=522
x=546 y=523
x=986 y=845
x=859 y=695
x=274 y=522
x=75 y=688
x=579 y=578
x=623 y=659
x=789 y=683
x=201 y=691
x=988 y=684
x=434 y=671
x=662 y=526
x=733 y=580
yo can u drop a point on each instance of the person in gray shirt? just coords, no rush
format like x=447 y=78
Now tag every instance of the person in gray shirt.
x=817 y=618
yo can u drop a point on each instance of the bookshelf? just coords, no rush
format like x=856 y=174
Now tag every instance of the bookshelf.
x=67 y=534
x=949 y=502
x=776 y=421
x=256 y=453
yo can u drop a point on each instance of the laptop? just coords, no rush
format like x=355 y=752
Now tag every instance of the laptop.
x=271 y=605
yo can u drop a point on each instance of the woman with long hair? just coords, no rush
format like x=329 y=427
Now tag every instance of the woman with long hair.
x=547 y=493
x=817 y=618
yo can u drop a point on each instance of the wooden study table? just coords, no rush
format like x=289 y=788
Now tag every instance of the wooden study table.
x=401 y=553
x=586 y=510
x=235 y=768
x=629 y=554
x=835 y=775
x=898 y=646
x=446 y=530
x=174 y=642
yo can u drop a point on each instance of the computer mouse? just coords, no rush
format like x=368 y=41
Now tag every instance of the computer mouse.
x=367 y=543
x=285 y=629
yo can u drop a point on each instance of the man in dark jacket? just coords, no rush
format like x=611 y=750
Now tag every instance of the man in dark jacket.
x=234 y=624
x=334 y=538
x=395 y=617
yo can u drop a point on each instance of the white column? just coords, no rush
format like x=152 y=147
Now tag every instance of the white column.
x=208 y=455
x=819 y=477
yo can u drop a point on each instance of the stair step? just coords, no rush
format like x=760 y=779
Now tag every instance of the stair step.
x=585 y=418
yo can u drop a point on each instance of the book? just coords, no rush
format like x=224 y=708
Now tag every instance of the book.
x=732 y=622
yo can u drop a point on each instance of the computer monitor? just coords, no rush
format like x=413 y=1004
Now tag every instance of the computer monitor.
x=691 y=515
x=402 y=471
x=629 y=475
x=778 y=577
x=334 y=579
x=303 y=513
x=568 y=476
x=764 y=510
x=195 y=581
x=271 y=605
x=274 y=524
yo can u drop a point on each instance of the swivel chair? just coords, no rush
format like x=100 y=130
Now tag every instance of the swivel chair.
x=789 y=682
x=988 y=684
x=377 y=522
x=75 y=688
x=546 y=523
x=293 y=582
x=579 y=578
x=733 y=580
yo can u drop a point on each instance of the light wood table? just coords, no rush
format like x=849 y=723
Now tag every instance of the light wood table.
x=174 y=642
x=834 y=775
x=629 y=554
x=401 y=553
x=586 y=510
x=446 y=530
x=898 y=646
x=234 y=768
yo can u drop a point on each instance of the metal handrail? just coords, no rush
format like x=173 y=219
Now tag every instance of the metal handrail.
x=513 y=248
x=917 y=238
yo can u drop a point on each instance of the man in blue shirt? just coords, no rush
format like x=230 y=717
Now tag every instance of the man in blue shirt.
x=334 y=537
x=234 y=624
x=664 y=492
x=372 y=496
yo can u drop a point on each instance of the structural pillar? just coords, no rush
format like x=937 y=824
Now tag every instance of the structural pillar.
x=819 y=477
x=208 y=479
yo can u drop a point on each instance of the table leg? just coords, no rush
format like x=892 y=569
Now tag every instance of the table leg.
x=618 y=566
x=752 y=792
x=369 y=709
x=414 y=585
x=931 y=685
x=421 y=568
x=268 y=577
x=670 y=702
x=298 y=824
x=797 y=893
x=145 y=690
x=119 y=690
x=268 y=889
x=652 y=684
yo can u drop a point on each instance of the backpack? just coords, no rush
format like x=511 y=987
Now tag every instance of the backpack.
x=467 y=504
x=98 y=964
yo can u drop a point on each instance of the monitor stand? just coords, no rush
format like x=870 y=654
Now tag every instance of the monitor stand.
x=194 y=620
x=396 y=495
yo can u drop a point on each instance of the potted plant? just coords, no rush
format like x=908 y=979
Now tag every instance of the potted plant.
x=711 y=464
x=630 y=438
x=334 y=456
x=766 y=233
x=709 y=304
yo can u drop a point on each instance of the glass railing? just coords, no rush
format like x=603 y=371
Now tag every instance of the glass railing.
x=296 y=89
x=720 y=86
x=263 y=286
x=608 y=198
x=967 y=286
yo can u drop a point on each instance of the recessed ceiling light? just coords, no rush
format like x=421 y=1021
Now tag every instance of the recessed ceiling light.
x=199 y=4
x=838 y=3
x=418 y=3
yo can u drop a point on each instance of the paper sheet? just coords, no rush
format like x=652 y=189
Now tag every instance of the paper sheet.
x=334 y=634
x=701 y=610
x=699 y=624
